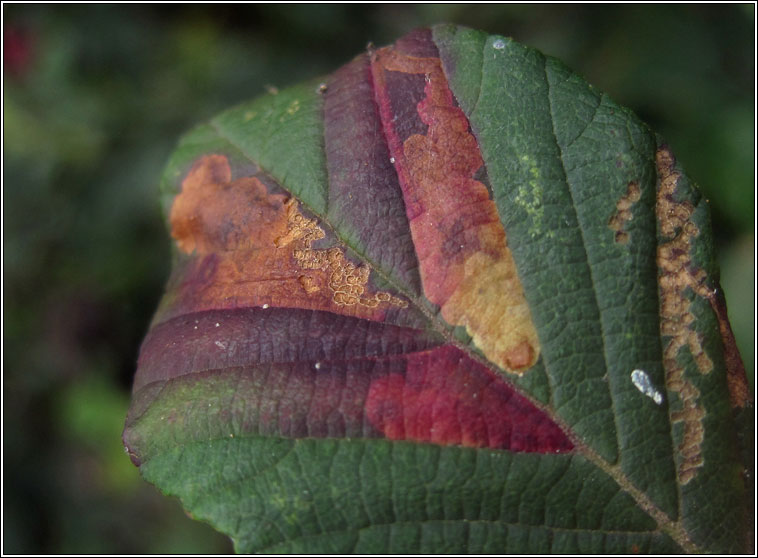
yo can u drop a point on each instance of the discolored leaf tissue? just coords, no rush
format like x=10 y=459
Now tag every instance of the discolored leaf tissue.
x=449 y=299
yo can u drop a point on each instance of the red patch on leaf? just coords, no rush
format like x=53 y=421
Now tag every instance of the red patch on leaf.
x=465 y=263
x=447 y=398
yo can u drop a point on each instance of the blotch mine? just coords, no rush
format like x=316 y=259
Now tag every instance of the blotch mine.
x=346 y=281
x=466 y=266
x=247 y=247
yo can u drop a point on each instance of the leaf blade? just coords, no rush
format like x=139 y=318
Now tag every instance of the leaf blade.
x=634 y=435
x=399 y=494
x=236 y=384
x=535 y=206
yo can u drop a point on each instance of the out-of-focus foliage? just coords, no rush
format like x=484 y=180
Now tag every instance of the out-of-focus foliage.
x=95 y=98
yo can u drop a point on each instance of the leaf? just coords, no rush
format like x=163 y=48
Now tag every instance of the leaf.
x=450 y=299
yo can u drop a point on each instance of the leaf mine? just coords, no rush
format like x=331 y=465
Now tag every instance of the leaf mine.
x=346 y=280
x=345 y=361
x=677 y=276
x=248 y=247
x=623 y=213
x=466 y=266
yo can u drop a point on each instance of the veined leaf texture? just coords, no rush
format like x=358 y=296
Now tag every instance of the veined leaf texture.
x=449 y=299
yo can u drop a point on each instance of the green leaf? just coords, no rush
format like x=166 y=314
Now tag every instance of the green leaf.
x=449 y=299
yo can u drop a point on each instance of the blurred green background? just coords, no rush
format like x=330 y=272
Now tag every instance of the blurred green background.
x=95 y=98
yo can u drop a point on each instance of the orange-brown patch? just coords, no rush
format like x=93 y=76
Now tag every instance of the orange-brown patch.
x=465 y=263
x=346 y=280
x=623 y=212
x=214 y=214
x=253 y=248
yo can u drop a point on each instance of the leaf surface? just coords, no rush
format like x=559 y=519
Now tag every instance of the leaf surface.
x=450 y=299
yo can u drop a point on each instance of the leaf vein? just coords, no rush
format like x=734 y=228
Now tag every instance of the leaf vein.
x=584 y=243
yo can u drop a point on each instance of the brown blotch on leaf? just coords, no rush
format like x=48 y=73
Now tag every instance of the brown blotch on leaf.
x=308 y=283
x=346 y=280
x=691 y=415
x=214 y=214
x=520 y=356
x=249 y=247
x=623 y=212
x=676 y=275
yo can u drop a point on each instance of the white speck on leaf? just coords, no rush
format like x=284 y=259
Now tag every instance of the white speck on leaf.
x=318 y=366
x=499 y=44
x=264 y=306
x=220 y=344
x=217 y=324
x=392 y=160
x=642 y=382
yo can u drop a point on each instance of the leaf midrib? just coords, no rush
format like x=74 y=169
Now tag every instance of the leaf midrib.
x=438 y=325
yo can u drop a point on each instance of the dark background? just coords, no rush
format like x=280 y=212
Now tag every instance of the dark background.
x=95 y=97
